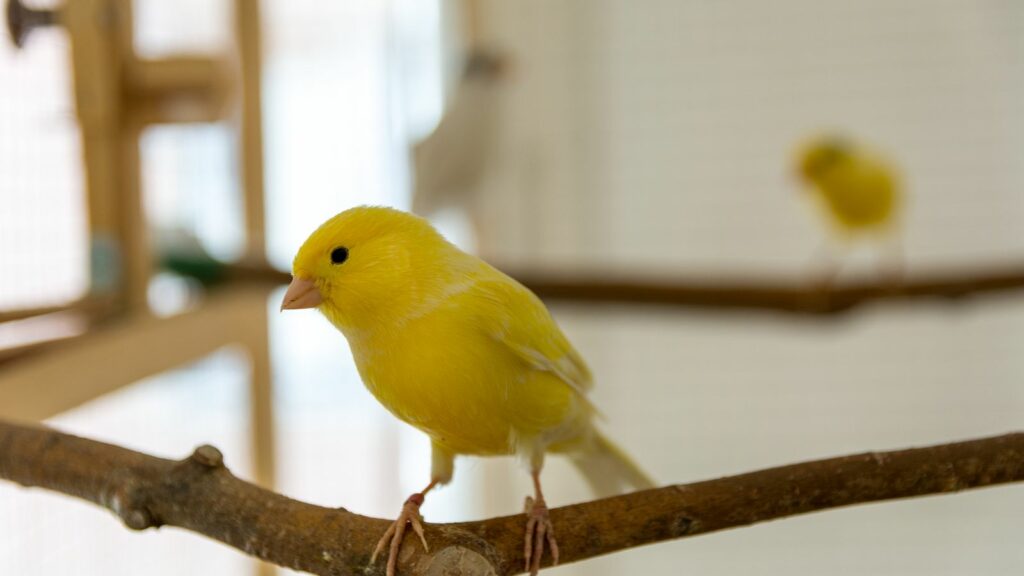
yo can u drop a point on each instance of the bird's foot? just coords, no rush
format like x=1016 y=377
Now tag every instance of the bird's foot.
x=538 y=532
x=392 y=538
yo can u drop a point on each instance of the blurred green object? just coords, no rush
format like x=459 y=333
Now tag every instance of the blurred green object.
x=180 y=252
x=207 y=270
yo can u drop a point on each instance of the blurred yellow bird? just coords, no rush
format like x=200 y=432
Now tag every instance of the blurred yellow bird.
x=459 y=350
x=858 y=190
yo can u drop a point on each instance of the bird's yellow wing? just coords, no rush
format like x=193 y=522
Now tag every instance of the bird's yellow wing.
x=518 y=320
x=861 y=192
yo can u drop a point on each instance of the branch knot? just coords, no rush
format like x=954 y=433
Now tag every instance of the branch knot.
x=208 y=456
x=129 y=503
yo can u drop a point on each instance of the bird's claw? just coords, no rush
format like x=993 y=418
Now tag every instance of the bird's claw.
x=538 y=532
x=392 y=538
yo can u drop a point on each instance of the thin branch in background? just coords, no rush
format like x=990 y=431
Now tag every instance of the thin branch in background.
x=793 y=296
x=201 y=495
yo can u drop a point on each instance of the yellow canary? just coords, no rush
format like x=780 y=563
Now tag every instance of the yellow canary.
x=859 y=191
x=858 y=188
x=459 y=350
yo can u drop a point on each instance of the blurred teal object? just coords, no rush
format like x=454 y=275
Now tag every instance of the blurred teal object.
x=104 y=264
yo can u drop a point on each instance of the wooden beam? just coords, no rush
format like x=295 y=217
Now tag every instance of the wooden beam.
x=179 y=89
x=70 y=373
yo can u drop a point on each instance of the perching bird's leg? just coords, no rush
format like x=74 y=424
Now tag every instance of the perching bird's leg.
x=410 y=516
x=826 y=265
x=538 y=530
x=892 y=263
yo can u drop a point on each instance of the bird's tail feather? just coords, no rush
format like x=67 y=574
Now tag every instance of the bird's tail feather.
x=608 y=469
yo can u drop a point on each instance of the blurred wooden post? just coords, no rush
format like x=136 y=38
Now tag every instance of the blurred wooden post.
x=94 y=31
x=250 y=128
x=136 y=255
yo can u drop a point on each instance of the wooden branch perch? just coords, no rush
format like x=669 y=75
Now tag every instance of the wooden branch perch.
x=754 y=294
x=199 y=494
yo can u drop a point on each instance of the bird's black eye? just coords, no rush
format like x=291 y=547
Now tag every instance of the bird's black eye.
x=339 y=255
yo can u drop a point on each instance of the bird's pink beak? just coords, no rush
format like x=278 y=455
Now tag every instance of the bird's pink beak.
x=301 y=293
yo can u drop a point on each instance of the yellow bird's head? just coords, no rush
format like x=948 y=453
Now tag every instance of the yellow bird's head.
x=818 y=157
x=369 y=266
